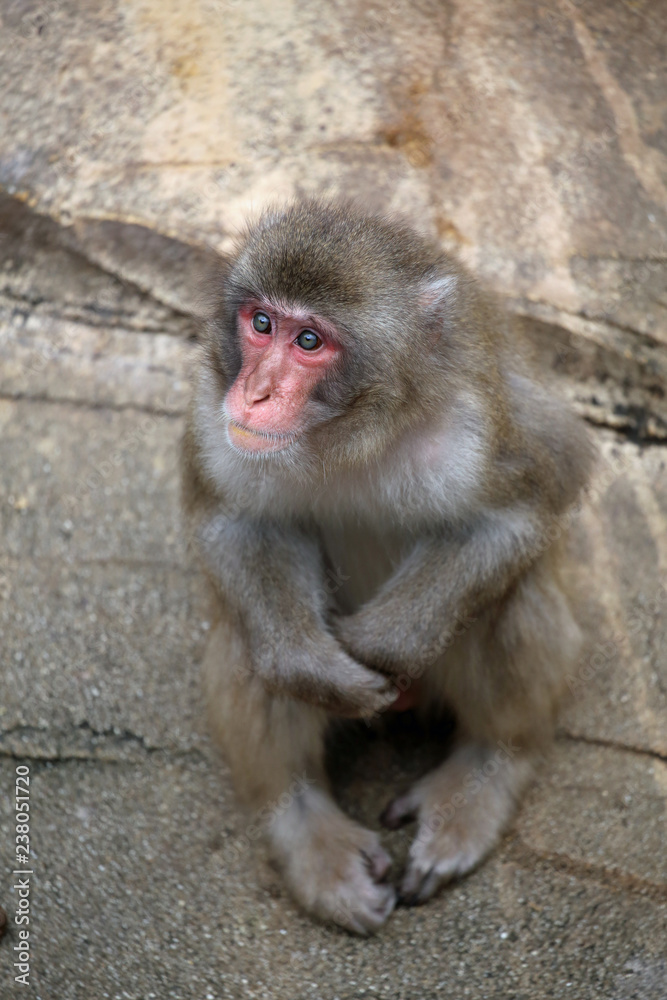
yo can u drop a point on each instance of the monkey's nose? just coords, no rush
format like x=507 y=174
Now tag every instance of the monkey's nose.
x=257 y=390
x=254 y=399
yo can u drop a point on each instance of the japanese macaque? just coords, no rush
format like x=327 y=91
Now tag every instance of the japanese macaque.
x=360 y=414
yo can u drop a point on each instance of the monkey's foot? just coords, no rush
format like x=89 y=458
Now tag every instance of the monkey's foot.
x=334 y=867
x=463 y=807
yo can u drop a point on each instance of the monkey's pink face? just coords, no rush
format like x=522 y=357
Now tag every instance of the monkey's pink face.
x=284 y=357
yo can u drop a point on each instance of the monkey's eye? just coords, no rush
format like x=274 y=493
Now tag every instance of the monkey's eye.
x=308 y=340
x=261 y=323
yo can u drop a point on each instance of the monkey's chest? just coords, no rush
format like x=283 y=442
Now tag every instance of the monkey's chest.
x=359 y=560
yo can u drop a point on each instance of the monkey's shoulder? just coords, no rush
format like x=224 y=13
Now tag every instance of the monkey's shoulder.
x=546 y=452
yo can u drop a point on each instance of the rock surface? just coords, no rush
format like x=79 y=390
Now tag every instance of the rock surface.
x=532 y=139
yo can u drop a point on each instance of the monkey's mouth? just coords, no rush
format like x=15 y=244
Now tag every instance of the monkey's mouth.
x=247 y=440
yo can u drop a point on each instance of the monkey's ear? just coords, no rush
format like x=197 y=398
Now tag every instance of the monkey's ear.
x=436 y=293
x=435 y=300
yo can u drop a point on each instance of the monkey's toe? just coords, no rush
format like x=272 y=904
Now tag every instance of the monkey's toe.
x=336 y=868
x=361 y=901
x=428 y=870
x=417 y=887
x=366 y=915
x=377 y=861
x=400 y=810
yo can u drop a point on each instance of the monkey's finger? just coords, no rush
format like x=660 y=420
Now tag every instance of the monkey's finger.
x=351 y=703
x=373 y=703
x=360 y=692
x=360 y=704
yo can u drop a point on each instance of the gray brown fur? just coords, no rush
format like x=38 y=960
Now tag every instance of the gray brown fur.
x=433 y=471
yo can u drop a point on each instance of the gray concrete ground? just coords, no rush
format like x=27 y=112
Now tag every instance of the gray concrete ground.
x=533 y=140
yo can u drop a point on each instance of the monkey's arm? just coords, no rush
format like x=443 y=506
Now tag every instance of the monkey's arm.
x=271 y=578
x=446 y=580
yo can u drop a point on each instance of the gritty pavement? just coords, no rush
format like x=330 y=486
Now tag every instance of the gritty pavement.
x=532 y=140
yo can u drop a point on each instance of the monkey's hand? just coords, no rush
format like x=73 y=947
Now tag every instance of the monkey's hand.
x=365 y=636
x=271 y=578
x=316 y=670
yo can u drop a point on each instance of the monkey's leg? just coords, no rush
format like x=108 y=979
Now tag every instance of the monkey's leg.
x=334 y=867
x=503 y=678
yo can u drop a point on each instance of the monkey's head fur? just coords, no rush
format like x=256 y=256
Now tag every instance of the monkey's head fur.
x=393 y=301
